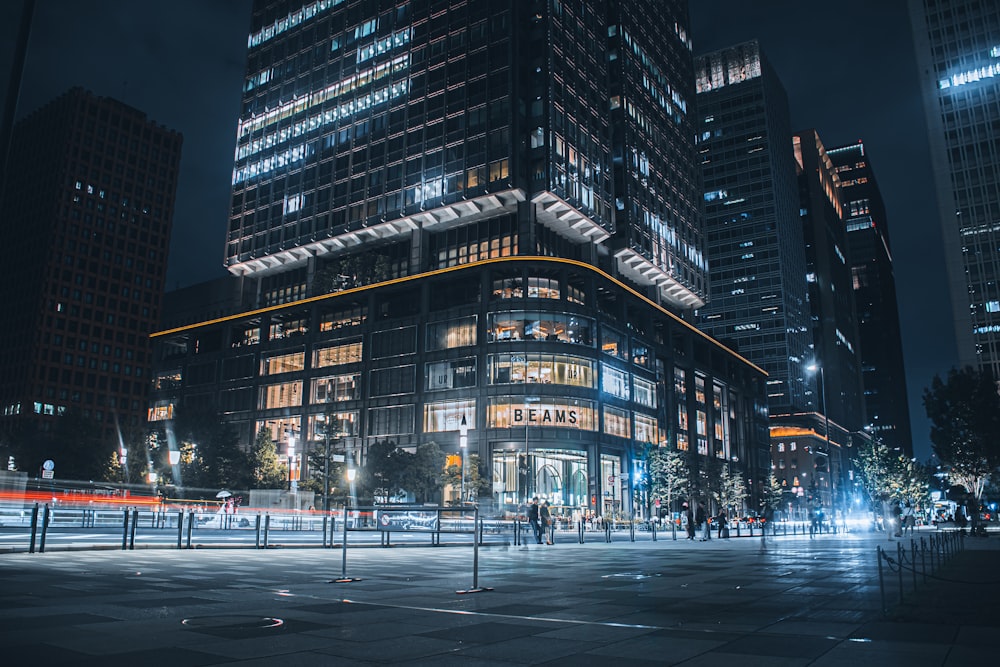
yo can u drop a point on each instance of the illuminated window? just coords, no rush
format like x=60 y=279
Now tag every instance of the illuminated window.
x=646 y=429
x=285 y=363
x=283 y=395
x=347 y=353
x=617 y=422
x=447 y=416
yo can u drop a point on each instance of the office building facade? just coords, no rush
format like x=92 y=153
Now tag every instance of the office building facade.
x=88 y=211
x=882 y=371
x=958 y=55
x=759 y=303
x=436 y=218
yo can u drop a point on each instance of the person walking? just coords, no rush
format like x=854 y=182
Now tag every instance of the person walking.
x=533 y=519
x=545 y=519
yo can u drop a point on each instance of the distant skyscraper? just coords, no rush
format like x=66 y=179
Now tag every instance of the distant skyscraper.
x=83 y=255
x=831 y=297
x=756 y=252
x=867 y=227
x=958 y=53
x=479 y=213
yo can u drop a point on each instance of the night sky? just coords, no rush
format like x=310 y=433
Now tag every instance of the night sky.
x=848 y=69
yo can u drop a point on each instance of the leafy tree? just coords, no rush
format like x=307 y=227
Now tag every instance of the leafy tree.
x=476 y=483
x=215 y=459
x=382 y=472
x=424 y=472
x=731 y=489
x=267 y=469
x=965 y=426
x=668 y=475
x=887 y=476
x=770 y=496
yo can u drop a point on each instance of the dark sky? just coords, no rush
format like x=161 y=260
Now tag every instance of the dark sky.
x=847 y=67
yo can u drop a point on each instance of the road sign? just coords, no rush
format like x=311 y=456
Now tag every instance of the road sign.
x=657 y=502
x=49 y=465
x=47 y=474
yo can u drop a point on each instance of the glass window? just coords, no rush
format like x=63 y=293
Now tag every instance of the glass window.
x=508 y=288
x=342 y=319
x=614 y=382
x=393 y=342
x=527 y=325
x=392 y=420
x=447 y=415
x=348 y=353
x=510 y=411
x=341 y=424
x=283 y=395
x=646 y=429
x=543 y=288
x=335 y=388
x=459 y=373
x=392 y=381
x=645 y=392
x=541 y=368
x=617 y=422
x=284 y=363
x=640 y=354
x=452 y=333
x=613 y=343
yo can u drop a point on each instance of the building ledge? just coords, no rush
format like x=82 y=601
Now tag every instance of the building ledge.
x=643 y=272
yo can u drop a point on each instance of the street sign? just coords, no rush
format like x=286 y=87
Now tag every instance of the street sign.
x=47 y=474
x=49 y=465
x=611 y=479
x=657 y=502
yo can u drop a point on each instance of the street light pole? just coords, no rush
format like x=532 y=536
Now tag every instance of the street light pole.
x=463 y=443
x=826 y=426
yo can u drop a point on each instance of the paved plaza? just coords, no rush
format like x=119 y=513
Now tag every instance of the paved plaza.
x=725 y=602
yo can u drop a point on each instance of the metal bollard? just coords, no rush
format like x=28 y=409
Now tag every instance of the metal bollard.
x=131 y=535
x=34 y=528
x=191 y=521
x=899 y=569
x=180 y=527
x=881 y=579
x=652 y=527
x=631 y=531
x=257 y=531
x=607 y=532
x=45 y=528
x=267 y=526
x=124 y=528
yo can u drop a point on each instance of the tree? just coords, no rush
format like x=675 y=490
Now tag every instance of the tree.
x=267 y=470
x=424 y=472
x=475 y=481
x=770 y=496
x=382 y=473
x=887 y=476
x=731 y=489
x=668 y=475
x=215 y=459
x=965 y=426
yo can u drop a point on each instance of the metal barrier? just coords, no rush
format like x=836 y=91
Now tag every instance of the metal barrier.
x=938 y=547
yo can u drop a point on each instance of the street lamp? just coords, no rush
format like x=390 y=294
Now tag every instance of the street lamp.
x=463 y=443
x=814 y=367
x=293 y=484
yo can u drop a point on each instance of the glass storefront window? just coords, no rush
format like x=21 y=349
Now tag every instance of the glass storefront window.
x=508 y=288
x=543 y=288
x=341 y=424
x=446 y=416
x=512 y=411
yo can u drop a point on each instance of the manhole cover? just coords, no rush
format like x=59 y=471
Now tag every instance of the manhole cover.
x=233 y=622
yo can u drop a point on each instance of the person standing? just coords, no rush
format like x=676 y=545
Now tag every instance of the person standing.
x=723 y=524
x=545 y=519
x=689 y=521
x=701 y=520
x=533 y=519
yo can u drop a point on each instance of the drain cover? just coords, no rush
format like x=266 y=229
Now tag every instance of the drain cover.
x=233 y=622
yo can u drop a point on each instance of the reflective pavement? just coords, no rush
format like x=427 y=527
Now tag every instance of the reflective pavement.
x=789 y=601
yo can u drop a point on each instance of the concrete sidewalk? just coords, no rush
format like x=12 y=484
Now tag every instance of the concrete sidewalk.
x=726 y=602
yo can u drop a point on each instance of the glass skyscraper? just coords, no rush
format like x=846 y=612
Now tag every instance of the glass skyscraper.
x=449 y=211
x=958 y=54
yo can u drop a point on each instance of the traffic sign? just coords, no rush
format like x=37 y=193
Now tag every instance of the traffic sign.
x=49 y=465
x=47 y=474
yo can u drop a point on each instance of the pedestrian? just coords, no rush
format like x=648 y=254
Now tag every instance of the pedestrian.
x=533 y=519
x=723 y=524
x=909 y=521
x=545 y=519
x=897 y=519
x=688 y=521
x=701 y=520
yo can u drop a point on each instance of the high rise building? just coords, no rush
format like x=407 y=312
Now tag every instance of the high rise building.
x=958 y=54
x=869 y=250
x=759 y=304
x=436 y=220
x=87 y=217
